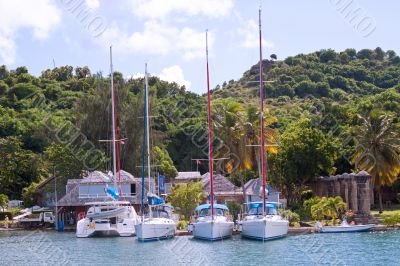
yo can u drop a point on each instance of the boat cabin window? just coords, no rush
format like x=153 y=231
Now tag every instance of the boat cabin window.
x=207 y=212
x=259 y=211
x=160 y=214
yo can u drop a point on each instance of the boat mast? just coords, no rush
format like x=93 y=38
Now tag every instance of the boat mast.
x=113 y=120
x=210 y=147
x=146 y=117
x=263 y=160
x=144 y=147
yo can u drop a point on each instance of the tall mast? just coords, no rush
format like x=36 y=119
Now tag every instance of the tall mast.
x=263 y=165
x=147 y=126
x=144 y=148
x=146 y=117
x=113 y=120
x=210 y=147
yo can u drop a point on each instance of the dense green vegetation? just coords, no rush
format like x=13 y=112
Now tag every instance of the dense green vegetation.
x=53 y=123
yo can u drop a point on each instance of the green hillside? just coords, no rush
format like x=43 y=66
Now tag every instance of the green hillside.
x=53 y=123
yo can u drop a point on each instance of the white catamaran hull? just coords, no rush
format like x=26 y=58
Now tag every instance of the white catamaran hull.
x=218 y=229
x=346 y=229
x=264 y=228
x=86 y=228
x=155 y=229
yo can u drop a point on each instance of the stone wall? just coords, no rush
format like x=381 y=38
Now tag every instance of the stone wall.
x=353 y=188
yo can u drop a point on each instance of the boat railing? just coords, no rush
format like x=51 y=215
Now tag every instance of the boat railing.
x=101 y=196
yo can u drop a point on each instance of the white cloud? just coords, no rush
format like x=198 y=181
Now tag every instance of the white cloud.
x=161 y=8
x=158 y=39
x=94 y=4
x=248 y=34
x=136 y=76
x=40 y=16
x=174 y=74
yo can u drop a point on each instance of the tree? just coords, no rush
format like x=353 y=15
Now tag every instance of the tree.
x=365 y=54
x=304 y=154
x=378 y=149
x=18 y=167
x=69 y=161
x=166 y=166
x=31 y=196
x=185 y=197
x=273 y=57
x=3 y=201
x=327 y=55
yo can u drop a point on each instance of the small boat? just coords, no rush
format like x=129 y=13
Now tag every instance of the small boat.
x=212 y=222
x=112 y=218
x=344 y=227
x=211 y=228
x=158 y=225
x=267 y=226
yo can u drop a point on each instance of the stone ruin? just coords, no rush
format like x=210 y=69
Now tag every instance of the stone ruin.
x=354 y=189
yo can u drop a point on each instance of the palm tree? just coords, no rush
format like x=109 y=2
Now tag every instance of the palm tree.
x=237 y=128
x=328 y=207
x=378 y=150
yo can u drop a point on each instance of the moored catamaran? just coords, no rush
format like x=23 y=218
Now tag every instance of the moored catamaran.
x=262 y=221
x=112 y=217
x=212 y=222
x=158 y=223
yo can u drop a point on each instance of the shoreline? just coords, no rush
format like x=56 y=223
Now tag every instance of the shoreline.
x=292 y=230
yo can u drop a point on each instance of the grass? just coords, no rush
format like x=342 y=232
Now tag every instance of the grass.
x=388 y=217
x=385 y=212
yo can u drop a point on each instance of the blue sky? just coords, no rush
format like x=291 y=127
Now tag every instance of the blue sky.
x=169 y=34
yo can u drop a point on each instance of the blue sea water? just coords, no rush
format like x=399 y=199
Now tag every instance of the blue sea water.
x=52 y=248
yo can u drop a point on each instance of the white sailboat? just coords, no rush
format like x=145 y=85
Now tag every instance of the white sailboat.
x=114 y=217
x=212 y=222
x=262 y=221
x=158 y=224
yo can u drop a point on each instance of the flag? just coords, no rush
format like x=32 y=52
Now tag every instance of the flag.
x=198 y=162
x=161 y=184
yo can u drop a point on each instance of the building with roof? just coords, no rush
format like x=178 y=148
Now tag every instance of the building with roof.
x=186 y=177
x=253 y=189
x=224 y=189
x=92 y=188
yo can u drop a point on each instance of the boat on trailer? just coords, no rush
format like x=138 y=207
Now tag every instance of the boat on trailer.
x=112 y=218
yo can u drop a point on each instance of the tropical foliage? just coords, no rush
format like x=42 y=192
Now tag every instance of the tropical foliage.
x=185 y=197
x=53 y=123
x=378 y=149
x=3 y=201
x=328 y=208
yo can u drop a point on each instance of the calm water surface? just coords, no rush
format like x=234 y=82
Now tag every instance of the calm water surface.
x=51 y=248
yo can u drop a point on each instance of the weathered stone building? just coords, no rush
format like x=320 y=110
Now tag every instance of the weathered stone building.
x=355 y=190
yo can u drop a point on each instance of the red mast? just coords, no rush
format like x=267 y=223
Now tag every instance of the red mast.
x=263 y=159
x=210 y=148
